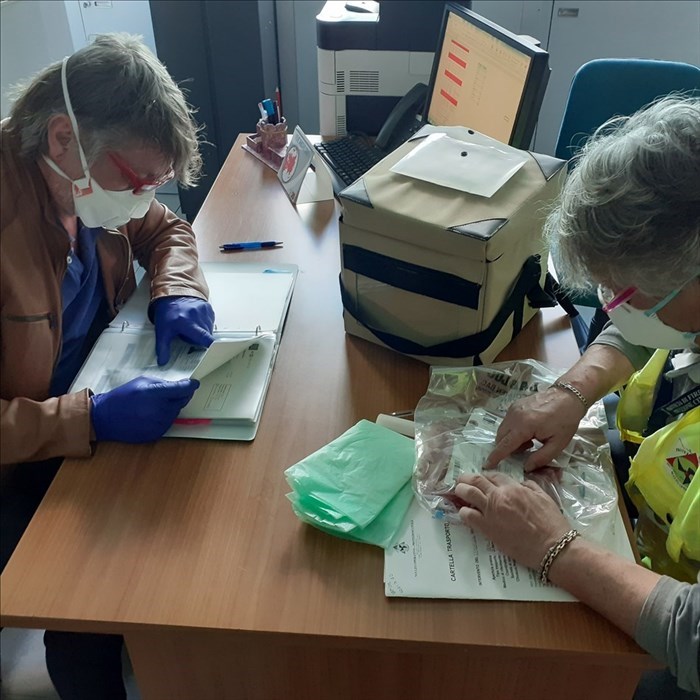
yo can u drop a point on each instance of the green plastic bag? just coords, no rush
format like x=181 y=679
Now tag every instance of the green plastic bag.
x=381 y=531
x=357 y=486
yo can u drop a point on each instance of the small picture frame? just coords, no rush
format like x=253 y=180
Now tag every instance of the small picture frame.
x=303 y=173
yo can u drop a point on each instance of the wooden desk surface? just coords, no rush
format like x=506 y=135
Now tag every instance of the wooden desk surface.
x=198 y=535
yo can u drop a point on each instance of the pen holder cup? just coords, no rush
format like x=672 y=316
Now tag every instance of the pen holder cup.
x=270 y=141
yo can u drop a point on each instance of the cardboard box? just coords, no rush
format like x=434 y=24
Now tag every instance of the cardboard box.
x=442 y=275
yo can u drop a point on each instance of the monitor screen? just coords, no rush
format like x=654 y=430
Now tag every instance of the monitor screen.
x=486 y=78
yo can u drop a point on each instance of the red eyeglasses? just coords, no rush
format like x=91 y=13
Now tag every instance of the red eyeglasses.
x=611 y=300
x=138 y=184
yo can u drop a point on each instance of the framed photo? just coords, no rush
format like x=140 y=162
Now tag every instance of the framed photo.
x=301 y=183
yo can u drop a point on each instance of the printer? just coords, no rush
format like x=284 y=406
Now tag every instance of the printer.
x=370 y=54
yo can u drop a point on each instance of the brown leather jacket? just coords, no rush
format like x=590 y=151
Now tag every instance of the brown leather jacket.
x=33 y=251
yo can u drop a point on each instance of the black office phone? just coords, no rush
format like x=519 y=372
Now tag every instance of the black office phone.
x=404 y=119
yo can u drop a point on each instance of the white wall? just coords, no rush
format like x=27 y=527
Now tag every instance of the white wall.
x=131 y=16
x=35 y=33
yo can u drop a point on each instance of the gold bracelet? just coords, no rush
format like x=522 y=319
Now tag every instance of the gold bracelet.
x=553 y=552
x=573 y=390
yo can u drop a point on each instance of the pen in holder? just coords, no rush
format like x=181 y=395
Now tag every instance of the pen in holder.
x=270 y=141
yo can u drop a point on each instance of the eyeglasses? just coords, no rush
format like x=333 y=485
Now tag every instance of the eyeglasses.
x=137 y=183
x=611 y=300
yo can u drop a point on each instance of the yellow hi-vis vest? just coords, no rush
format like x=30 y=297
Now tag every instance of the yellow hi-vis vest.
x=661 y=479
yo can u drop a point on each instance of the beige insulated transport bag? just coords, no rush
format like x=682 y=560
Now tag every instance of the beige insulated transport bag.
x=442 y=275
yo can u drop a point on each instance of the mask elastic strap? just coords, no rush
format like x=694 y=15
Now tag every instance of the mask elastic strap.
x=55 y=168
x=73 y=121
x=654 y=309
x=660 y=305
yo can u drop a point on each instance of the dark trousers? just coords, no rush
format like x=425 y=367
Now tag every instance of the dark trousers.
x=661 y=685
x=81 y=666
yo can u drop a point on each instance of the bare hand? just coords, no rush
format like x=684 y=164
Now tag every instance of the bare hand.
x=520 y=519
x=551 y=416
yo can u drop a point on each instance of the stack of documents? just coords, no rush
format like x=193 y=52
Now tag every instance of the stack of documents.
x=250 y=302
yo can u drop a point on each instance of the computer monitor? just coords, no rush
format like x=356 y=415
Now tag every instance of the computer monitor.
x=486 y=78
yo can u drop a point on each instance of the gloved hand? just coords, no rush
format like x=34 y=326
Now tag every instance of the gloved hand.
x=140 y=410
x=189 y=318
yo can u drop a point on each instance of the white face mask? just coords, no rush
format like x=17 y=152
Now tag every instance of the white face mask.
x=95 y=206
x=644 y=328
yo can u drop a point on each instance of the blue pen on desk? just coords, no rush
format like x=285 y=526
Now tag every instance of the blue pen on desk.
x=249 y=245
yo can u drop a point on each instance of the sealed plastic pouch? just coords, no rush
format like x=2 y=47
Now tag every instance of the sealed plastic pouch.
x=456 y=424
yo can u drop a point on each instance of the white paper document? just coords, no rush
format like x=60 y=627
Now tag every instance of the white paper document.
x=437 y=559
x=246 y=297
x=232 y=390
x=250 y=302
x=123 y=356
x=471 y=163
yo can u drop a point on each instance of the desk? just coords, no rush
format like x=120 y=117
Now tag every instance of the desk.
x=190 y=549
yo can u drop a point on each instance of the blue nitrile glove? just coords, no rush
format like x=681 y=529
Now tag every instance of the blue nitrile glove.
x=140 y=410
x=189 y=318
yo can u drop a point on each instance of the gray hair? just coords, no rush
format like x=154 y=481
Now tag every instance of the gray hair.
x=121 y=94
x=629 y=213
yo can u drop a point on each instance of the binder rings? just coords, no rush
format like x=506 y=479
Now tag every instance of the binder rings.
x=250 y=302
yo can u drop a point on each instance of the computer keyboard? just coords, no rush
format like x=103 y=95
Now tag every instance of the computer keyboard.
x=349 y=158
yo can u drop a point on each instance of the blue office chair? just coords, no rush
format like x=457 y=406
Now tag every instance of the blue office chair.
x=604 y=88
x=607 y=87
